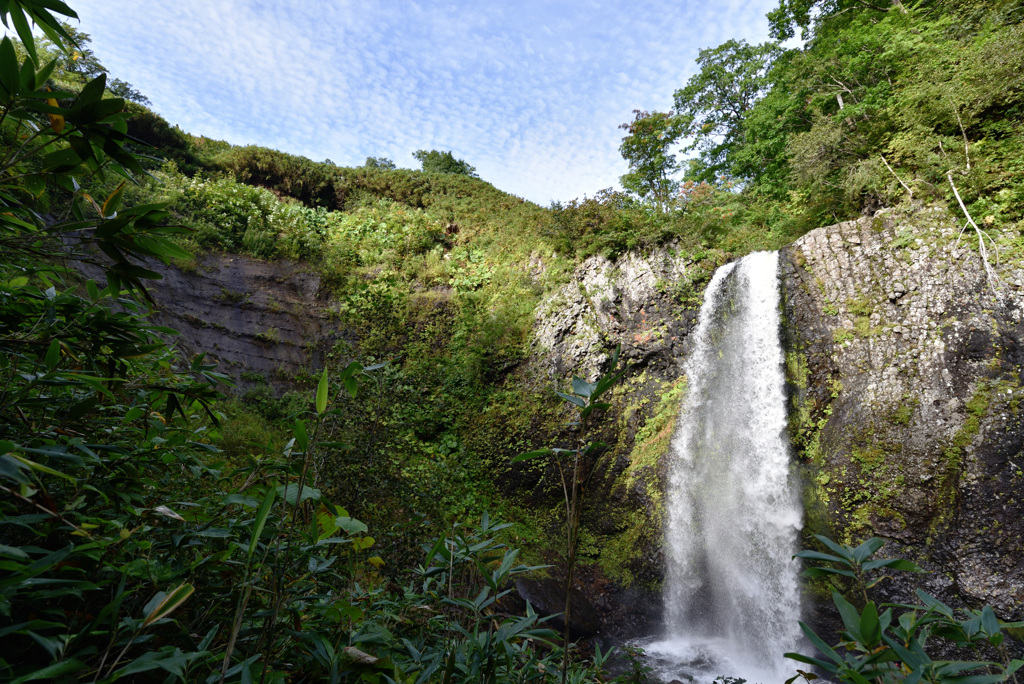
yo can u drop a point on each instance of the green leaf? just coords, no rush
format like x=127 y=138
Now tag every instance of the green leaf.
x=894 y=563
x=908 y=657
x=989 y=621
x=290 y=493
x=821 y=572
x=531 y=454
x=301 y=437
x=841 y=549
x=851 y=618
x=439 y=544
x=91 y=92
x=582 y=387
x=867 y=548
x=9 y=76
x=261 y=519
x=13 y=552
x=54 y=671
x=817 y=555
x=351 y=525
x=53 y=355
x=819 y=644
x=43 y=469
x=43 y=75
x=574 y=400
x=113 y=201
x=934 y=603
x=21 y=25
x=321 y=393
x=12 y=468
x=35 y=184
x=169 y=604
x=870 y=628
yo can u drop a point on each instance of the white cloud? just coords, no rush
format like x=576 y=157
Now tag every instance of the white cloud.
x=531 y=95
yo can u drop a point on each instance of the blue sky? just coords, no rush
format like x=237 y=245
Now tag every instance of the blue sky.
x=531 y=93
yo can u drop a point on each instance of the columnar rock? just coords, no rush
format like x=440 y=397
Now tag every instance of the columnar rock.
x=906 y=366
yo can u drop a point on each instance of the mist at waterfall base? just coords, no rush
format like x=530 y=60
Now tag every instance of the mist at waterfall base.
x=731 y=589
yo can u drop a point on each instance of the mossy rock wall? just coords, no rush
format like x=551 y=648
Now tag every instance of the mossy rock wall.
x=905 y=369
x=645 y=305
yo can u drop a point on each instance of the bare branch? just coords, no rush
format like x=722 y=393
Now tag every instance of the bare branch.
x=907 y=187
x=993 y=280
x=956 y=110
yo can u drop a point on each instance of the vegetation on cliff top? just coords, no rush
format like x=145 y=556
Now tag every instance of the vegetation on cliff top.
x=875 y=108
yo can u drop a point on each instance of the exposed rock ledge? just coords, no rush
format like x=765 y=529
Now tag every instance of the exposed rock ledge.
x=636 y=302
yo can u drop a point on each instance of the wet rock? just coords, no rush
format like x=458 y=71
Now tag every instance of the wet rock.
x=547 y=596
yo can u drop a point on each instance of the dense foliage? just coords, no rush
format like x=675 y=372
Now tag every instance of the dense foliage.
x=877 y=107
x=887 y=648
x=151 y=528
x=132 y=545
x=435 y=161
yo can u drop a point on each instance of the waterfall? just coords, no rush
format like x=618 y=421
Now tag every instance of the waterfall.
x=731 y=591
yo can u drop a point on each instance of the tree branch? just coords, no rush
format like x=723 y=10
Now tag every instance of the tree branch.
x=956 y=110
x=990 y=275
x=907 y=187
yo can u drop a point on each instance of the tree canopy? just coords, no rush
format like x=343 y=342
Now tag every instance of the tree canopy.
x=647 y=148
x=878 y=105
x=434 y=161
x=379 y=163
x=714 y=104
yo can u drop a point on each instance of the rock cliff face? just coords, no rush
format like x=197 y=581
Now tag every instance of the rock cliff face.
x=647 y=306
x=263 y=321
x=906 y=371
x=638 y=303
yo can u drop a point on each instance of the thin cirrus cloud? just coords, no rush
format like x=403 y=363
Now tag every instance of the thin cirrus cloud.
x=530 y=93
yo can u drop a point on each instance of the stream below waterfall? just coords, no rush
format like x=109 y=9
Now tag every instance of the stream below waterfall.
x=731 y=589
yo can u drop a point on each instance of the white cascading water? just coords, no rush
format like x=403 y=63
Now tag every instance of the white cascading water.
x=731 y=593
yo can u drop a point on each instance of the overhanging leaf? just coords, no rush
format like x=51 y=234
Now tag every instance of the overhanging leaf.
x=169 y=604
x=261 y=519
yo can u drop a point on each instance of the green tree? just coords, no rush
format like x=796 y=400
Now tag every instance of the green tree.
x=807 y=14
x=78 y=64
x=379 y=163
x=714 y=104
x=647 y=148
x=434 y=161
